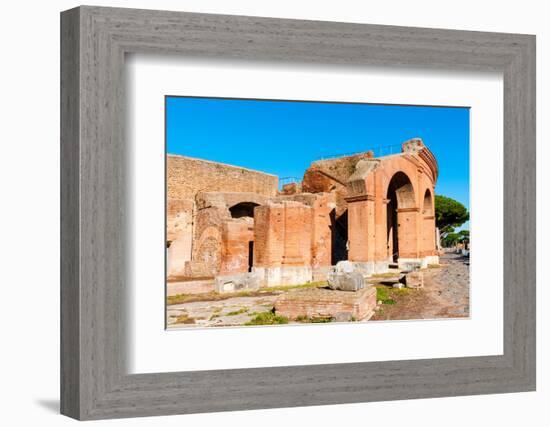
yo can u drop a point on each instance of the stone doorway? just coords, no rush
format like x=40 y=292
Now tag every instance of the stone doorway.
x=250 y=255
x=401 y=218
x=339 y=235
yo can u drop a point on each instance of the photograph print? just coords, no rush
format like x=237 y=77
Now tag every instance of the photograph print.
x=288 y=212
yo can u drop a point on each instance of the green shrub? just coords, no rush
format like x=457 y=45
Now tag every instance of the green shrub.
x=267 y=318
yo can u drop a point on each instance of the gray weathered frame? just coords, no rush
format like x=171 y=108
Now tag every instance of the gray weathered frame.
x=94 y=41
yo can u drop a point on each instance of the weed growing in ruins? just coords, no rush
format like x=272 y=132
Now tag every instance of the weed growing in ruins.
x=237 y=312
x=267 y=318
x=385 y=275
x=320 y=319
x=383 y=294
x=214 y=296
x=184 y=319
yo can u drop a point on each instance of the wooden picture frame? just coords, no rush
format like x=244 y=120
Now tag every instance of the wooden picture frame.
x=94 y=382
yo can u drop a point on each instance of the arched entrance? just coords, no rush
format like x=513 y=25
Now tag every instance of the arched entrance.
x=428 y=242
x=243 y=209
x=427 y=206
x=401 y=218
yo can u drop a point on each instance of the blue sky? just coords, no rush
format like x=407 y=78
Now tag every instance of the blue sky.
x=284 y=137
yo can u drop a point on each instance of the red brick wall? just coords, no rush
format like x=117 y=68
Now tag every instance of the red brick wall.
x=236 y=235
x=282 y=234
x=368 y=224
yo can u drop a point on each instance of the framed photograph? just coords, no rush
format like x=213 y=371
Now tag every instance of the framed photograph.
x=261 y=213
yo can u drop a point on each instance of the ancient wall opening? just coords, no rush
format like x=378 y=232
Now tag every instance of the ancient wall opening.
x=427 y=206
x=401 y=217
x=339 y=236
x=244 y=209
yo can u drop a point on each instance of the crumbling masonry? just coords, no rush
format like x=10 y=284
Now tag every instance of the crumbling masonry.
x=231 y=226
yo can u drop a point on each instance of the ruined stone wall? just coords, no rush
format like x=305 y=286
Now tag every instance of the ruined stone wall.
x=282 y=243
x=199 y=193
x=236 y=237
x=187 y=176
x=282 y=234
x=322 y=204
x=340 y=168
x=332 y=175
x=179 y=235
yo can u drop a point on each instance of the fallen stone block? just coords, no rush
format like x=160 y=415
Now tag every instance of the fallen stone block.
x=237 y=282
x=344 y=281
x=323 y=303
x=414 y=279
x=344 y=267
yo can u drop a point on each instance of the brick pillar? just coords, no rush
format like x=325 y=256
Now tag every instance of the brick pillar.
x=297 y=234
x=321 y=233
x=381 y=235
x=236 y=235
x=428 y=244
x=407 y=232
x=268 y=235
x=361 y=228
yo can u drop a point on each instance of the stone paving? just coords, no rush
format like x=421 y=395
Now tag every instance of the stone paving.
x=228 y=312
x=445 y=294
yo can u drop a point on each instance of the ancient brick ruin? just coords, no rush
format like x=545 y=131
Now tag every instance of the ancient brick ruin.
x=232 y=228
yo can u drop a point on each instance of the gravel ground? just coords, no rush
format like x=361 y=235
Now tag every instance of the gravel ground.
x=446 y=294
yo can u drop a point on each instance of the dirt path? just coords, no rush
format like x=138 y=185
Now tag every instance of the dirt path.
x=445 y=294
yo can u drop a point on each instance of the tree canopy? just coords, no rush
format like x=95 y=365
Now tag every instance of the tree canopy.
x=449 y=213
x=451 y=239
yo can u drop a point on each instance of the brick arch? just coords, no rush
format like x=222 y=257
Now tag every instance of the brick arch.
x=428 y=203
x=401 y=217
x=385 y=200
x=243 y=209
x=428 y=238
x=402 y=186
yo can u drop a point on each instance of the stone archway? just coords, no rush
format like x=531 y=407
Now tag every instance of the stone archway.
x=401 y=218
x=428 y=242
x=427 y=205
x=243 y=209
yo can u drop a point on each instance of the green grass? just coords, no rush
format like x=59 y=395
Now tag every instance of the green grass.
x=267 y=318
x=214 y=296
x=309 y=285
x=216 y=313
x=237 y=312
x=385 y=275
x=383 y=294
x=387 y=294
